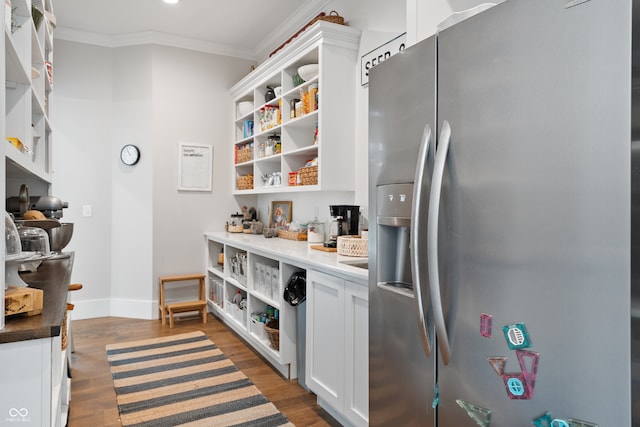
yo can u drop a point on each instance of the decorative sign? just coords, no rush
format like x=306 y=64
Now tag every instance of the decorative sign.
x=194 y=167
x=380 y=54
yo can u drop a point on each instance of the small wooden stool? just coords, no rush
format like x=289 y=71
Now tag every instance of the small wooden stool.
x=182 y=306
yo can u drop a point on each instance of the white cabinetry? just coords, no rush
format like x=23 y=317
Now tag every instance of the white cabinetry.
x=325 y=133
x=259 y=280
x=38 y=368
x=336 y=326
x=28 y=56
x=337 y=367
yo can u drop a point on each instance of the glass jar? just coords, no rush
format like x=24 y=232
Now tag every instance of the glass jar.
x=269 y=147
x=275 y=143
x=235 y=223
x=12 y=244
x=315 y=231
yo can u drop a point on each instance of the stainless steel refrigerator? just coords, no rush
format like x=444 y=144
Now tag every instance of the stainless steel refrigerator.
x=503 y=163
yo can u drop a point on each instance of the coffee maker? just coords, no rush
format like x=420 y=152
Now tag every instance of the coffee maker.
x=344 y=222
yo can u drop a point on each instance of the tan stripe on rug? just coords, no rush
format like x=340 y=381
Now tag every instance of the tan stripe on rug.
x=185 y=380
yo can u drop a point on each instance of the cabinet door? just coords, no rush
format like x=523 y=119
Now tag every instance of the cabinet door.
x=356 y=327
x=325 y=337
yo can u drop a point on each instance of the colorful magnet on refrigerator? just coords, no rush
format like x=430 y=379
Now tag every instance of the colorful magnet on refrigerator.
x=578 y=423
x=486 y=325
x=498 y=364
x=517 y=336
x=543 y=420
x=529 y=369
x=481 y=416
x=517 y=386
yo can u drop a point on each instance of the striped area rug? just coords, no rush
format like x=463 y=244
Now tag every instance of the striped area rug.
x=185 y=380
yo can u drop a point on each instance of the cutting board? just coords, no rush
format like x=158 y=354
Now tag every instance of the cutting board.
x=322 y=248
x=23 y=300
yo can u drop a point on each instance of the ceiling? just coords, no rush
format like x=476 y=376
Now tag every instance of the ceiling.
x=247 y=29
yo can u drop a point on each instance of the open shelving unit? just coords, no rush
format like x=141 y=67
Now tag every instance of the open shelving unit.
x=325 y=134
x=259 y=296
x=28 y=86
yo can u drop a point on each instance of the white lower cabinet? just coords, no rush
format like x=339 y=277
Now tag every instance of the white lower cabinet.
x=337 y=369
x=35 y=383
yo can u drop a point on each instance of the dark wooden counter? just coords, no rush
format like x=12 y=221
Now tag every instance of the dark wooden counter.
x=53 y=277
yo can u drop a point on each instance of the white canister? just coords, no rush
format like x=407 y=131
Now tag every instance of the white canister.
x=315 y=232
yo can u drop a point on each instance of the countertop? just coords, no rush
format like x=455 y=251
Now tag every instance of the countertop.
x=296 y=253
x=53 y=277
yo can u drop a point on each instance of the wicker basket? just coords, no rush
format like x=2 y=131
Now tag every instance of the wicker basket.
x=353 y=246
x=309 y=175
x=245 y=154
x=63 y=328
x=332 y=17
x=274 y=335
x=292 y=235
x=245 y=182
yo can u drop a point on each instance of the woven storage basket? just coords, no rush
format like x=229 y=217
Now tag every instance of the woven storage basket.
x=353 y=246
x=332 y=17
x=245 y=154
x=245 y=182
x=274 y=335
x=309 y=175
x=292 y=235
x=63 y=328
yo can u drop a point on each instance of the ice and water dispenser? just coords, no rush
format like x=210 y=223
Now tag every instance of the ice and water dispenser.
x=393 y=219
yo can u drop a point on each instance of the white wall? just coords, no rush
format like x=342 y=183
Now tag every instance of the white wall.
x=132 y=186
x=191 y=103
x=81 y=113
x=141 y=226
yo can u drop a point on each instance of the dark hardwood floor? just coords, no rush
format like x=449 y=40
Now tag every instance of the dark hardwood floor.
x=93 y=399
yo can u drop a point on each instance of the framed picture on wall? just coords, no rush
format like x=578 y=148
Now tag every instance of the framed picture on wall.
x=194 y=167
x=280 y=214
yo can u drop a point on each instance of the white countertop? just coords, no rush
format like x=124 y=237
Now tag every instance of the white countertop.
x=296 y=253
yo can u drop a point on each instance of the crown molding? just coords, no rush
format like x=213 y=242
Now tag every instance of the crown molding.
x=281 y=34
x=149 y=38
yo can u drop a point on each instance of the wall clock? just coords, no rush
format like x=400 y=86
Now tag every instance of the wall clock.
x=130 y=154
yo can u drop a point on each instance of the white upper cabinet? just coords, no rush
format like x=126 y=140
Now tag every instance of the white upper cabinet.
x=302 y=136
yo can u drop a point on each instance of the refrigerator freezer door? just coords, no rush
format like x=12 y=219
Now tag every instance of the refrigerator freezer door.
x=401 y=107
x=534 y=233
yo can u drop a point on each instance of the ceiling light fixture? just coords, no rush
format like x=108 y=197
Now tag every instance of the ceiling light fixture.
x=171 y=1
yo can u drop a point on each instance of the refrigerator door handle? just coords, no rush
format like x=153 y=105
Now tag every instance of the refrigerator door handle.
x=432 y=242
x=415 y=246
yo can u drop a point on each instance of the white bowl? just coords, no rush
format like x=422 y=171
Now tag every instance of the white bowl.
x=308 y=72
x=244 y=108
